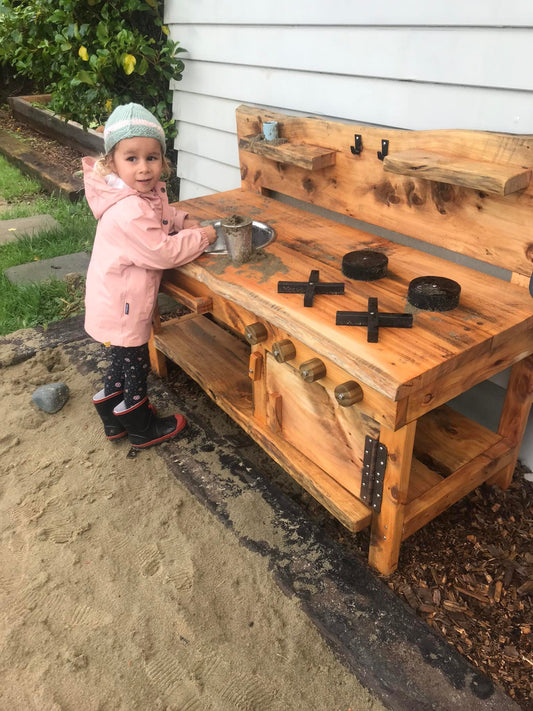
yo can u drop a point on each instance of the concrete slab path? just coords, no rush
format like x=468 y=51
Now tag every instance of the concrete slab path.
x=54 y=268
x=10 y=230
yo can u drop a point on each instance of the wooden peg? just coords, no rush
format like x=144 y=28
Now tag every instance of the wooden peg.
x=283 y=350
x=255 y=333
x=312 y=370
x=348 y=393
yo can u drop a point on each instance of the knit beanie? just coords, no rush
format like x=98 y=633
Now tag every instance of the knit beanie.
x=131 y=121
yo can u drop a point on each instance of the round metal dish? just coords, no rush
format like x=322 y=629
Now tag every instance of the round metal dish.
x=262 y=234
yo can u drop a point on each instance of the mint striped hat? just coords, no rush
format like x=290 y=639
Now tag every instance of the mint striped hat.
x=130 y=121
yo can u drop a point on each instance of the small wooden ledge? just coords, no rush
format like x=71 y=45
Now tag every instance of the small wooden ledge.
x=501 y=179
x=197 y=304
x=298 y=154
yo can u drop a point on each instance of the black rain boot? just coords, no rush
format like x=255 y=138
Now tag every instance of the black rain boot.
x=104 y=407
x=144 y=428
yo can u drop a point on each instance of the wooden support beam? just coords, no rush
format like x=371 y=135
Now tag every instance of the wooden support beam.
x=515 y=415
x=474 y=473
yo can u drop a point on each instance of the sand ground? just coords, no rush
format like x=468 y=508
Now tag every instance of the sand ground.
x=119 y=591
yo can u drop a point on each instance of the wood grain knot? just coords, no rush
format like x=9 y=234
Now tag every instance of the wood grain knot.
x=386 y=193
x=308 y=185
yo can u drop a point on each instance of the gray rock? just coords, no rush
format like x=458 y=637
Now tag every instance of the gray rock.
x=51 y=398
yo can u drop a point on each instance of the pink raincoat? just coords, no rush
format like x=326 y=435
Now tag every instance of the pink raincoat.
x=132 y=247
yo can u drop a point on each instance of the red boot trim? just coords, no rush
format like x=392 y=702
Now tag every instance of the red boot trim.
x=132 y=408
x=107 y=397
x=113 y=438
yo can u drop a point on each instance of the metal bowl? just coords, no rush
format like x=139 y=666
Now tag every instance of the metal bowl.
x=262 y=234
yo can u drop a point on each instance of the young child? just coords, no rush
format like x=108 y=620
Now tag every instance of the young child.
x=134 y=243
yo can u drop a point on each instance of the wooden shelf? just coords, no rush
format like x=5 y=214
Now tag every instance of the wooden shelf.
x=219 y=362
x=452 y=456
x=501 y=179
x=301 y=155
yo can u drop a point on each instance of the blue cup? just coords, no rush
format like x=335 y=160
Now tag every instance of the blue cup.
x=270 y=130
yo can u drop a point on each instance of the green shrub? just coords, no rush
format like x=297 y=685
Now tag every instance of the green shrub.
x=92 y=55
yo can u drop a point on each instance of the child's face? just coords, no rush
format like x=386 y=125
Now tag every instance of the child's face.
x=139 y=162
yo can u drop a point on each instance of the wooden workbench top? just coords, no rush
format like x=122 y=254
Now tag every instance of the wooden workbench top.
x=490 y=329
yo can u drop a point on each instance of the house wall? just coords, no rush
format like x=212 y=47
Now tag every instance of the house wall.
x=412 y=65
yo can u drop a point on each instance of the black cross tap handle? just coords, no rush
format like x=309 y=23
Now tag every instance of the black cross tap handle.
x=372 y=319
x=310 y=288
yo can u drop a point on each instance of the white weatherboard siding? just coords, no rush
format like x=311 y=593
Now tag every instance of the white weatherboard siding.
x=366 y=99
x=448 y=55
x=443 y=64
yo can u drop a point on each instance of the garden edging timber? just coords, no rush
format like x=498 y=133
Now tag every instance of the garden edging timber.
x=70 y=133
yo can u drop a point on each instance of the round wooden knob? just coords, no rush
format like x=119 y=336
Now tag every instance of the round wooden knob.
x=283 y=350
x=255 y=333
x=312 y=370
x=348 y=393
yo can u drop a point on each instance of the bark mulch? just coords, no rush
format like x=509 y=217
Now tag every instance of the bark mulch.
x=468 y=573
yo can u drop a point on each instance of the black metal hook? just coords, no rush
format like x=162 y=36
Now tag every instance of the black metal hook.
x=358 y=147
x=384 y=149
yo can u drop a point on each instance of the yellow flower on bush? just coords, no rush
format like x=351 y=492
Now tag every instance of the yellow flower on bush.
x=82 y=51
x=128 y=63
x=108 y=105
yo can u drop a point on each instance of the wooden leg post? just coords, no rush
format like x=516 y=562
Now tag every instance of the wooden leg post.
x=386 y=532
x=515 y=414
x=158 y=361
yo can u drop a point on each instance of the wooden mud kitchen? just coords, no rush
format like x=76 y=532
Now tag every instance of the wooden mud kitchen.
x=337 y=350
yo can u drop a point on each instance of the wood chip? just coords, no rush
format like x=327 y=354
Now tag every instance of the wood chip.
x=498 y=591
x=478 y=596
x=453 y=606
x=526 y=588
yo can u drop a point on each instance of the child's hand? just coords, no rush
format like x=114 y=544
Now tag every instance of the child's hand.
x=211 y=233
x=190 y=223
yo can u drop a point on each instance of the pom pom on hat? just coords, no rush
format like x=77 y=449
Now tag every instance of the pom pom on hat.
x=131 y=121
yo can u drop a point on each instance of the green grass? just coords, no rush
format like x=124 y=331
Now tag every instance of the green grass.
x=14 y=185
x=24 y=306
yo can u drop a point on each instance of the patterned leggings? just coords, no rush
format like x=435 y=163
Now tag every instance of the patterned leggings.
x=129 y=372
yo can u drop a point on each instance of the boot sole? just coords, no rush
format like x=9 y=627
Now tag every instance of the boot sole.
x=180 y=424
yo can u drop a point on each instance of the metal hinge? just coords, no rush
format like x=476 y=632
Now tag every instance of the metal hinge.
x=373 y=473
